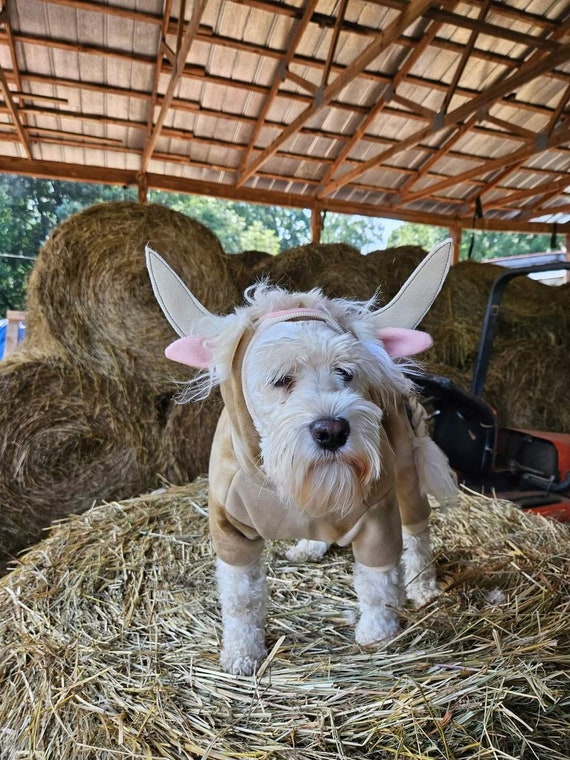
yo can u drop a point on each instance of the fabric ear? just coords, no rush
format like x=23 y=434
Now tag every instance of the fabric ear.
x=401 y=341
x=191 y=351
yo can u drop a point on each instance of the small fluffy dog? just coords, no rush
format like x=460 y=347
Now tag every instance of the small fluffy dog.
x=321 y=440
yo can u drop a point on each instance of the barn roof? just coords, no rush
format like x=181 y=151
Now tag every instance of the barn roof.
x=443 y=112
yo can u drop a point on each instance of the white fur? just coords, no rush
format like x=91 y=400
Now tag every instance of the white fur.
x=306 y=550
x=243 y=600
x=379 y=600
x=314 y=356
x=419 y=571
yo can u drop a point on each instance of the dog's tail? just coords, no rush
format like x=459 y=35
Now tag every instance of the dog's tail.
x=435 y=475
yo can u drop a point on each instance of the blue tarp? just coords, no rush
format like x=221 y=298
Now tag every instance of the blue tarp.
x=3 y=329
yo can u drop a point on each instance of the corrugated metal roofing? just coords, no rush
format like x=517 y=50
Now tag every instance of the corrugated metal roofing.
x=405 y=109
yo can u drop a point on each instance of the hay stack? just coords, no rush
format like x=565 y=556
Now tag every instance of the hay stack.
x=110 y=632
x=340 y=270
x=86 y=409
x=89 y=295
x=68 y=436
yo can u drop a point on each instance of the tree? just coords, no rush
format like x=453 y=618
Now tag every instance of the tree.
x=29 y=210
x=363 y=232
x=482 y=245
x=417 y=234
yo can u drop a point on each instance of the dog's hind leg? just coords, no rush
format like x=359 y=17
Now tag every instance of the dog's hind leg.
x=420 y=581
x=379 y=599
x=243 y=600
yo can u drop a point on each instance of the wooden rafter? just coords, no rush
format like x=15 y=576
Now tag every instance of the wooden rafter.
x=295 y=35
x=525 y=74
x=185 y=42
x=411 y=13
x=382 y=99
x=152 y=101
x=446 y=104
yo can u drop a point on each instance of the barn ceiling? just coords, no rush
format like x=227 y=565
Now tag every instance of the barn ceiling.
x=453 y=113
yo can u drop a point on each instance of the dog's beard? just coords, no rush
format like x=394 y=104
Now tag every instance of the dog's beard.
x=322 y=482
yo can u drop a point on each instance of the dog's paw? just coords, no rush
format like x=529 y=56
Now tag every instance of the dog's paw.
x=375 y=627
x=306 y=550
x=422 y=592
x=241 y=663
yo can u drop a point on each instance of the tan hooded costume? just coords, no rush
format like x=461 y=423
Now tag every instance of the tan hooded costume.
x=245 y=508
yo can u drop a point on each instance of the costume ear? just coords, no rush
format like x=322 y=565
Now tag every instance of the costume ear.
x=180 y=307
x=399 y=341
x=410 y=305
x=191 y=351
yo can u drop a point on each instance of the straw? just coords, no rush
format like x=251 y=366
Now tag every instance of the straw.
x=110 y=639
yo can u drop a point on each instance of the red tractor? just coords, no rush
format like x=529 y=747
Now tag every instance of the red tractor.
x=528 y=467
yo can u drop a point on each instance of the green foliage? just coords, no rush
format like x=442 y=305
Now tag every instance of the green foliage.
x=363 y=232
x=31 y=208
x=417 y=234
x=493 y=245
x=486 y=245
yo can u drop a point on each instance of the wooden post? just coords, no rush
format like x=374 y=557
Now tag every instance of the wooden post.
x=316 y=223
x=142 y=184
x=455 y=234
x=14 y=318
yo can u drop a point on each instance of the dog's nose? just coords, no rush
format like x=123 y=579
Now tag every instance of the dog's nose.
x=330 y=432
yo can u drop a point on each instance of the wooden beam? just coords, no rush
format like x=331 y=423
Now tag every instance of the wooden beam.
x=110 y=176
x=526 y=73
x=295 y=35
x=181 y=56
x=542 y=143
x=411 y=13
x=14 y=115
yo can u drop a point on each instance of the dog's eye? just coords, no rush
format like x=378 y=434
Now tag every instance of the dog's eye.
x=284 y=381
x=345 y=374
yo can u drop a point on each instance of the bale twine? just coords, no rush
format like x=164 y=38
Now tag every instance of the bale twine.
x=110 y=634
x=90 y=298
x=69 y=436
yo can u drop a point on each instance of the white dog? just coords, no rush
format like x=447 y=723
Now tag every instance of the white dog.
x=321 y=440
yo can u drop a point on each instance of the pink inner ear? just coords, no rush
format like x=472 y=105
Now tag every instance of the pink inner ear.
x=400 y=341
x=191 y=351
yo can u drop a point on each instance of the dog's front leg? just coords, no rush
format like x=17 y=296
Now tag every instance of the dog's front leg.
x=379 y=599
x=242 y=596
x=420 y=579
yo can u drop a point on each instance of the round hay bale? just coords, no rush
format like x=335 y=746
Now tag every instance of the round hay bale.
x=527 y=384
x=186 y=438
x=247 y=267
x=90 y=297
x=337 y=268
x=69 y=436
x=110 y=634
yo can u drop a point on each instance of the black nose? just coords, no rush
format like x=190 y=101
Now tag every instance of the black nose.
x=330 y=432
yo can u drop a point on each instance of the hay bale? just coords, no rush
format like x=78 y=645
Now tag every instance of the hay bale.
x=186 y=437
x=69 y=436
x=82 y=404
x=247 y=267
x=90 y=298
x=110 y=632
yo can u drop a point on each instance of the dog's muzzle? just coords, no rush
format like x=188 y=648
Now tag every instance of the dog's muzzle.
x=330 y=433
